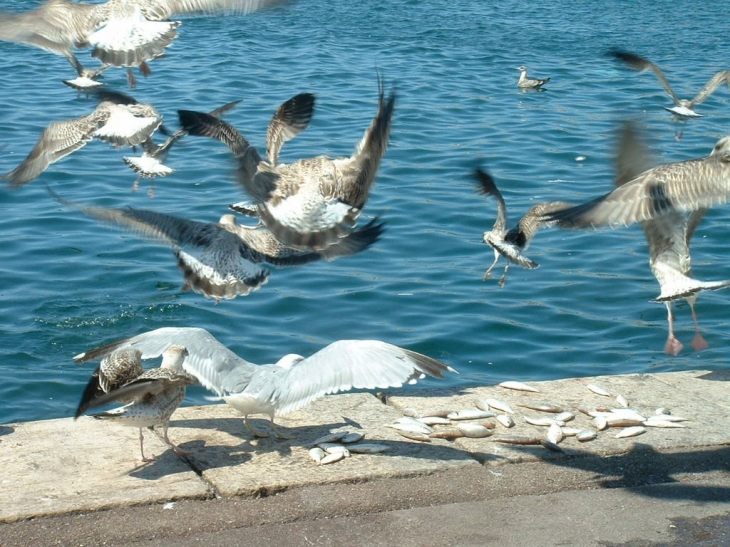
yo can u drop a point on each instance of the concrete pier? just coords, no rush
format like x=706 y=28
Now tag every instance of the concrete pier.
x=67 y=482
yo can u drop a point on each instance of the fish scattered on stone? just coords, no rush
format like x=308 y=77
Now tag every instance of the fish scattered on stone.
x=632 y=431
x=519 y=386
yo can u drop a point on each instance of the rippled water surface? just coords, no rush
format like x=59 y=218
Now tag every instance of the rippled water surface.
x=68 y=283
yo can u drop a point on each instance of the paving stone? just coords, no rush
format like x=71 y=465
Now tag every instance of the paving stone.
x=59 y=466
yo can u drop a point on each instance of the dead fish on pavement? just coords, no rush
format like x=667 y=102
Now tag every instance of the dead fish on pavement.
x=414 y=436
x=543 y=406
x=470 y=414
x=474 y=431
x=515 y=439
x=586 y=435
x=662 y=423
x=541 y=422
x=519 y=386
x=411 y=413
x=631 y=432
x=331 y=438
x=332 y=448
x=564 y=416
x=435 y=420
x=332 y=458
x=598 y=390
x=447 y=433
x=555 y=434
x=554 y=447
x=571 y=431
x=496 y=404
x=353 y=437
x=621 y=400
x=368 y=448
x=506 y=420
x=317 y=454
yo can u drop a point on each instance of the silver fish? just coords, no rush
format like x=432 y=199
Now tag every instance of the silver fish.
x=631 y=432
x=470 y=414
x=628 y=413
x=353 y=437
x=586 y=435
x=499 y=405
x=662 y=423
x=331 y=448
x=474 y=431
x=600 y=422
x=555 y=434
x=506 y=420
x=598 y=390
x=571 y=431
x=519 y=386
x=316 y=454
x=621 y=400
x=447 y=433
x=332 y=458
x=516 y=439
x=542 y=422
x=410 y=413
x=564 y=416
x=435 y=420
x=667 y=418
x=415 y=436
x=436 y=413
x=543 y=406
x=421 y=429
x=368 y=448
x=550 y=445
x=331 y=438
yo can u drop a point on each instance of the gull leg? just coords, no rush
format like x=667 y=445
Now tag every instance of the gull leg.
x=673 y=346
x=255 y=432
x=698 y=342
x=503 y=279
x=141 y=448
x=135 y=186
x=131 y=80
x=279 y=433
x=489 y=270
x=179 y=451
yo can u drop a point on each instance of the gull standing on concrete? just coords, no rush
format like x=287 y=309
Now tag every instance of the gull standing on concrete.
x=224 y=260
x=119 y=124
x=311 y=203
x=121 y=33
x=292 y=382
x=511 y=243
x=151 y=396
x=525 y=83
x=682 y=107
x=669 y=238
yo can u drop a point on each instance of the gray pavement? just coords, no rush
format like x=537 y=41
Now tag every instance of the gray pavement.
x=79 y=483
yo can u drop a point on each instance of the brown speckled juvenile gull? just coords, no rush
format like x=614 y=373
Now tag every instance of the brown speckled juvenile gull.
x=119 y=124
x=669 y=238
x=223 y=260
x=121 y=33
x=290 y=383
x=525 y=83
x=511 y=243
x=311 y=203
x=151 y=396
x=682 y=107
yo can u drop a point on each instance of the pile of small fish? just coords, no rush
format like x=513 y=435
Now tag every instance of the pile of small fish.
x=476 y=423
x=338 y=446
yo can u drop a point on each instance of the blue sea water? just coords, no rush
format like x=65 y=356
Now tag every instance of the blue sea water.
x=68 y=283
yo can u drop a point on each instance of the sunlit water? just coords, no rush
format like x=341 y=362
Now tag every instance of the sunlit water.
x=68 y=283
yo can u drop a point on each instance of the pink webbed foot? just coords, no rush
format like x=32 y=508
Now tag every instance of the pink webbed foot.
x=699 y=343
x=673 y=346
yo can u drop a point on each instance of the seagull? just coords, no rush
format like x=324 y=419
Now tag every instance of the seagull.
x=150 y=396
x=292 y=382
x=525 y=83
x=682 y=186
x=87 y=79
x=121 y=33
x=682 y=107
x=668 y=236
x=311 y=203
x=151 y=163
x=119 y=124
x=511 y=243
x=223 y=260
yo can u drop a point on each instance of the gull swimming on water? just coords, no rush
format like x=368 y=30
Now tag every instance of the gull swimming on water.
x=682 y=107
x=525 y=83
x=224 y=260
x=511 y=243
x=290 y=383
x=311 y=203
x=150 y=396
x=119 y=124
x=121 y=33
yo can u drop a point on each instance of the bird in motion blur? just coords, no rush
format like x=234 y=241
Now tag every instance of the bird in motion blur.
x=150 y=396
x=311 y=203
x=293 y=381
x=683 y=108
x=120 y=33
x=511 y=243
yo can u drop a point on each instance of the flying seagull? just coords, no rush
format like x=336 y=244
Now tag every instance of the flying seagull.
x=150 y=397
x=682 y=107
x=311 y=203
x=118 y=124
x=290 y=383
x=121 y=33
x=525 y=83
x=510 y=243
x=223 y=260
